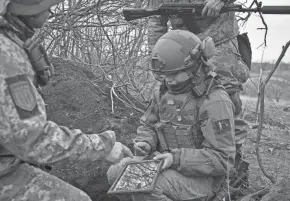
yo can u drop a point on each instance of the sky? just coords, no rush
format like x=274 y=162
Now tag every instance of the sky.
x=278 y=33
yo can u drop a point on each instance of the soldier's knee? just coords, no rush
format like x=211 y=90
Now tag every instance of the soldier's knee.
x=79 y=195
x=84 y=197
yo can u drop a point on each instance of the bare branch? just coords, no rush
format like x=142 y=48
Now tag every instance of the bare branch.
x=261 y=116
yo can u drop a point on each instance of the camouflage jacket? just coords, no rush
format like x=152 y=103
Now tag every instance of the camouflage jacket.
x=25 y=133
x=214 y=154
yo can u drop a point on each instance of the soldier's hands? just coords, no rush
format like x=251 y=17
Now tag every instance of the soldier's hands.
x=212 y=8
x=118 y=152
x=168 y=160
x=142 y=148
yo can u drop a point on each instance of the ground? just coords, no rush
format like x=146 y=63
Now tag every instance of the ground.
x=75 y=99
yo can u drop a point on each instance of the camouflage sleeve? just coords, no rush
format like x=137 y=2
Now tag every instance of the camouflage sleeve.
x=25 y=132
x=157 y=27
x=217 y=156
x=24 y=129
x=146 y=132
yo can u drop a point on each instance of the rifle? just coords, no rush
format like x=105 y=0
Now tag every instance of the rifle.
x=168 y=9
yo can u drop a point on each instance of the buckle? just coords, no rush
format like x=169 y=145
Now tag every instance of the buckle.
x=199 y=89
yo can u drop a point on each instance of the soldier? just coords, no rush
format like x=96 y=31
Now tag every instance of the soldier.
x=26 y=136
x=223 y=29
x=189 y=122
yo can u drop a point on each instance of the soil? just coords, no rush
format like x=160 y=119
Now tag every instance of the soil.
x=75 y=98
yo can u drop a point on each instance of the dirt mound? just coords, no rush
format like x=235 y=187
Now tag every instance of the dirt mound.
x=75 y=100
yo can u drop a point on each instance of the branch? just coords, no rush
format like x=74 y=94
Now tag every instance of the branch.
x=261 y=116
x=247 y=16
x=101 y=24
x=112 y=92
x=264 y=22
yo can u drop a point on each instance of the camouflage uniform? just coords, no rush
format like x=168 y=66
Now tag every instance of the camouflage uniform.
x=199 y=132
x=27 y=137
x=227 y=61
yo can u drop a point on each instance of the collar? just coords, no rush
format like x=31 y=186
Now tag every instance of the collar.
x=12 y=23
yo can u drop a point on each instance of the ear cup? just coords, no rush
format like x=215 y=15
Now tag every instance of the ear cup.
x=208 y=47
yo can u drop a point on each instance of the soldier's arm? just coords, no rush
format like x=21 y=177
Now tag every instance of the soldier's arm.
x=26 y=133
x=217 y=155
x=146 y=132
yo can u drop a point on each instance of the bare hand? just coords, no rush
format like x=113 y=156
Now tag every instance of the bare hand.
x=168 y=160
x=142 y=148
x=212 y=8
x=118 y=152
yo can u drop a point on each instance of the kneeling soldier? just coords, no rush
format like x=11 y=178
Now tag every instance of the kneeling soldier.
x=189 y=122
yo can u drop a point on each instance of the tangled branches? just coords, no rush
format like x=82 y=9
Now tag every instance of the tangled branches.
x=244 y=19
x=95 y=35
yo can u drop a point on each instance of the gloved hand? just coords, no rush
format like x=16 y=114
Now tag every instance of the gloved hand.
x=168 y=160
x=212 y=8
x=118 y=152
x=142 y=148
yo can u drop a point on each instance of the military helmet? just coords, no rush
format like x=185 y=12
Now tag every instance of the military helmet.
x=179 y=50
x=30 y=7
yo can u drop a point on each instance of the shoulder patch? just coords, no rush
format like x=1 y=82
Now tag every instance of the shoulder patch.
x=223 y=125
x=23 y=96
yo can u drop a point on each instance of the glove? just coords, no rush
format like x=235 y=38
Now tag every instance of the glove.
x=142 y=148
x=212 y=8
x=167 y=160
x=118 y=152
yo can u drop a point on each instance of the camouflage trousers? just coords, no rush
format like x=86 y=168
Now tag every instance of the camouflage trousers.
x=170 y=185
x=28 y=183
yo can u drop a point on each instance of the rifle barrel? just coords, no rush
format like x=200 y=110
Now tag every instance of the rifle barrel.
x=168 y=9
x=280 y=10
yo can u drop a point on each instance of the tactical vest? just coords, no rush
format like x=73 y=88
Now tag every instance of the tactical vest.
x=179 y=126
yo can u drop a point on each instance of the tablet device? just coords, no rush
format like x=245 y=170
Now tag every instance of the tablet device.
x=137 y=177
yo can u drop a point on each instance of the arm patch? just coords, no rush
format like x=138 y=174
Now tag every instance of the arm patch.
x=222 y=125
x=23 y=96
